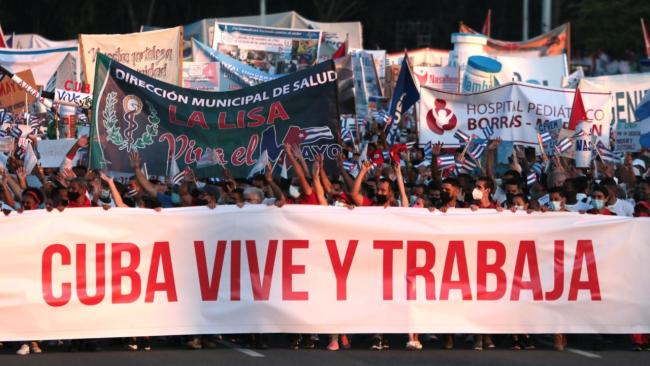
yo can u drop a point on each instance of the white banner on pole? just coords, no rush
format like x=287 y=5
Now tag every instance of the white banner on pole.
x=512 y=111
x=87 y=273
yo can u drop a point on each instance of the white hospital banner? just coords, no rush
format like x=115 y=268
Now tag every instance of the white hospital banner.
x=545 y=71
x=512 y=111
x=89 y=273
x=627 y=92
x=445 y=78
x=43 y=62
x=157 y=53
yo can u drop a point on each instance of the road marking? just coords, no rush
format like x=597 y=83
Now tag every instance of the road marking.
x=574 y=350
x=247 y=352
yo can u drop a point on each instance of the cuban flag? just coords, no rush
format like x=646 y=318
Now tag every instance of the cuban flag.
x=607 y=155
x=346 y=135
x=409 y=145
x=382 y=117
x=386 y=155
x=531 y=179
x=461 y=136
x=579 y=134
x=563 y=145
x=546 y=137
x=446 y=161
x=5 y=116
x=477 y=149
x=537 y=168
x=311 y=135
x=465 y=166
x=488 y=132
x=428 y=151
x=15 y=132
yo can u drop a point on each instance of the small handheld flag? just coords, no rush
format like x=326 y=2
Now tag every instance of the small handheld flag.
x=477 y=149
x=446 y=161
x=488 y=132
x=461 y=136
x=546 y=137
x=563 y=145
x=531 y=179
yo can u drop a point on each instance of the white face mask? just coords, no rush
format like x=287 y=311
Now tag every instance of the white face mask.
x=556 y=205
x=294 y=191
x=477 y=194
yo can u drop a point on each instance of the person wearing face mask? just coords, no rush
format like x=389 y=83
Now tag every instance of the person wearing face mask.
x=519 y=203
x=300 y=190
x=599 y=198
x=77 y=196
x=449 y=195
x=557 y=201
x=483 y=188
x=384 y=195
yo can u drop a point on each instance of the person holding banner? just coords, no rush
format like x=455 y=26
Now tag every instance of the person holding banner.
x=599 y=199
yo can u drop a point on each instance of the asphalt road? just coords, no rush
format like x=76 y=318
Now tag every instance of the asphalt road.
x=616 y=352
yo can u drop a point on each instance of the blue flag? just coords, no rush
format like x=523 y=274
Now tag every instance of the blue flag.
x=405 y=94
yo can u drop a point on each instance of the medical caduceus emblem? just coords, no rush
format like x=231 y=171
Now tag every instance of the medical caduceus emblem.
x=132 y=107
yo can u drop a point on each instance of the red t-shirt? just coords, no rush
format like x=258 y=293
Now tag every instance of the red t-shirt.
x=85 y=203
x=304 y=199
x=377 y=157
x=491 y=205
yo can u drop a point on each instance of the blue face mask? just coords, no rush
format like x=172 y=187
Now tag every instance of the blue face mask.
x=598 y=204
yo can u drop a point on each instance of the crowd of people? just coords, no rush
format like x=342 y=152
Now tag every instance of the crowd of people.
x=368 y=173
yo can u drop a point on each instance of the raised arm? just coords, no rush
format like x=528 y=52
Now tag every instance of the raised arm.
x=6 y=194
x=400 y=185
x=114 y=192
x=280 y=199
x=80 y=143
x=491 y=157
x=324 y=179
x=356 y=188
x=347 y=179
x=139 y=176
x=435 y=171
x=318 y=187
x=300 y=172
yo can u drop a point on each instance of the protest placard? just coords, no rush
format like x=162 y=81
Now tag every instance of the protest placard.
x=208 y=131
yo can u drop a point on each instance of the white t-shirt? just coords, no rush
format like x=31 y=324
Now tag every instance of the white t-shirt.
x=622 y=208
x=578 y=206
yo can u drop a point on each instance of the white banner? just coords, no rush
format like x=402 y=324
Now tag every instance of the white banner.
x=43 y=62
x=26 y=41
x=53 y=152
x=88 y=273
x=512 y=111
x=627 y=92
x=273 y=50
x=445 y=78
x=156 y=53
x=546 y=71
